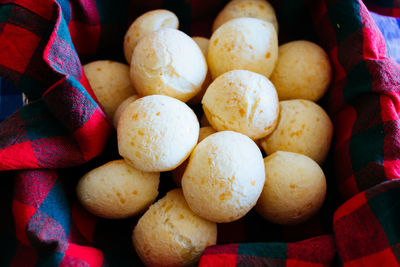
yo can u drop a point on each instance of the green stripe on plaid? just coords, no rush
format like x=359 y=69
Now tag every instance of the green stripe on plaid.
x=359 y=80
x=345 y=18
x=266 y=250
x=5 y=12
x=386 y=207
x=366 y=147
x=39 y=123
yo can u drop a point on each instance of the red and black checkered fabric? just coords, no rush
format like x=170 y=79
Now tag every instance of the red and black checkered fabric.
x=49 y=144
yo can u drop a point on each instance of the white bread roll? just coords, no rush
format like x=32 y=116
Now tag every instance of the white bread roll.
x=224 y=177
x=110 y=82
x=146 y=23
x=170 y=234
x=303 y=71
x=157 y=133
x=294 y=188
x=116 y=190
x=246 y=8
x=168 y=62
x=303 y=127
x=243 y=43
x=242 y=101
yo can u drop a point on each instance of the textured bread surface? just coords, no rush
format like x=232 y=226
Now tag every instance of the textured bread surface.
x=170 y=234
x=116 y=190
x=294 y=188
x=224 y=177
x=157 y=133
x=242 y=101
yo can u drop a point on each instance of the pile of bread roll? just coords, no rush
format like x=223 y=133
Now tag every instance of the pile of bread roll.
x=255 y=96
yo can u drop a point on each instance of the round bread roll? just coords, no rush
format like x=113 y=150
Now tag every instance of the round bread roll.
x=246 y=8
x=170 y=234
x=224 y=177
x=303 y=127
x=243 y=43
x=168 y=62
x=302 y=71
x=121 y=108
x=242 y=101
x=178 y=172
x=148 y=22
x=116 y=190
x=110 y=82
x=294 y=188
x=203 y=44
x=157 y=133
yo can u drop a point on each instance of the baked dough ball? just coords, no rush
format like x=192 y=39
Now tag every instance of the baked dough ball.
x=170 y=234
x=168 y=62
x=302 y=71
x=178 y=172
x=116 y=190
x=203 y=44
x=110 y=82
x=157 y=133
x=224 y=177
x=246 y=8
x=242 y=101
x=122 y=107
x=148 y=22
x=303 y=127
x=243 y=43
x=294 y=188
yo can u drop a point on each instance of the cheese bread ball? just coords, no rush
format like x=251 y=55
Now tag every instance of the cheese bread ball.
x=122 y=107
x=178 y=172
x=110 y=82
x=168 y=62
x=224 y=177
x=243 y=43
x=246 y=8
x=203 y=44
x=242 y=101
x=116 y=190
x=157 y=133
x=294 y=188
x=170 y=234
x=148 y=22
x=302 y=71
x=303 y=127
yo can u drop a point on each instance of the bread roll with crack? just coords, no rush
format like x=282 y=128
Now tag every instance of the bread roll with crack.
x=303 y=127
x=224 y=177
x=246 y=8
x=110 y=82
x=146 y=23
x=157 y=133
x=203 y=44
x=116 y=190
x=121 y=108
x=170 y=234
x=178 y=172
x=294 y=188
x=242 y=101
x=243 y=43
x=302 y=71
x=168 y=62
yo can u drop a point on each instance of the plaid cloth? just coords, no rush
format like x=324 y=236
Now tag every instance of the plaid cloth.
x=47 y=145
